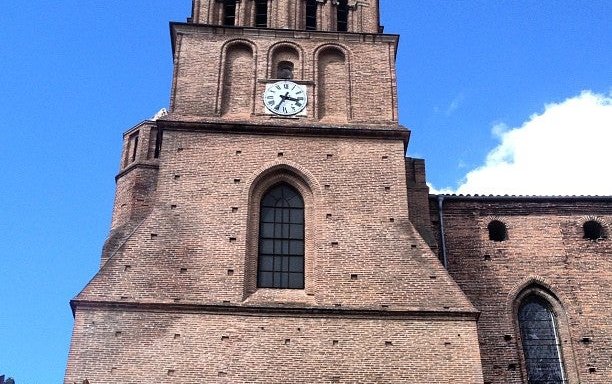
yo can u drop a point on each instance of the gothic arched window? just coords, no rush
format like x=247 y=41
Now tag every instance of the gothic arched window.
x=281 y=239
x=540 y=341
x=311 y=15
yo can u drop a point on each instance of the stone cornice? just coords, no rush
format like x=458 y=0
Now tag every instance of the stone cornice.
x=207 y=29
x=277 y=311
x=385 y=133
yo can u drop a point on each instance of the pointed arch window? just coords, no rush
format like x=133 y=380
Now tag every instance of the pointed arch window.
x=311 y=15
x=261 y=13
x=281 y=239
x=342 y=15
x=540 y=341
x=229 y=12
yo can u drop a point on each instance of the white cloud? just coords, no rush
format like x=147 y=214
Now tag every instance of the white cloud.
x=566 y=150
x=443 y=191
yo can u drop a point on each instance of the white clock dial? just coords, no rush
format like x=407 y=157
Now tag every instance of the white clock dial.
x=285 y=98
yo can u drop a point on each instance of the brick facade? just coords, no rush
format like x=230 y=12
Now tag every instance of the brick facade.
x=291 y=14
x=177 y=299
x=221 y=73
x=198 y=347
x=545 y=250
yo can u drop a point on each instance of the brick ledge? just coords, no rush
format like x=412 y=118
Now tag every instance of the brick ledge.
x=239 y=310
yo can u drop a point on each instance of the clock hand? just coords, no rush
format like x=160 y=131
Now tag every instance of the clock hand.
x=283 y=99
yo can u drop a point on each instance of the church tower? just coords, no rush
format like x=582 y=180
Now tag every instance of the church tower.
x=261 y=229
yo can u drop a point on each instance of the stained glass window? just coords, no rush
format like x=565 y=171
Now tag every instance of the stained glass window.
x=541 y=345
x=281 y=239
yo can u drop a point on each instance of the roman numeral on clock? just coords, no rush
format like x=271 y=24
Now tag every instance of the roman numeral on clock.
x=285 y=98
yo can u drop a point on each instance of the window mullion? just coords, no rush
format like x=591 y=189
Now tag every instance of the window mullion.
x=277 y=226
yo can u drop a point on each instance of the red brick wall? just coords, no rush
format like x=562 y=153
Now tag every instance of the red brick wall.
x=137 y=174
x=175 y=298
x=199 y=219
x=193 y=249
x=418 y=201
x=365 y=83
x=145 y=347
x=545 y=248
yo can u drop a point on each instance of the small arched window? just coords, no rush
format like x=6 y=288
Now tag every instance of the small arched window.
x=540 y=341
x=342 y=15
x=261 y=13
x=311 y=15
x=593 y=230
x=497 y=231
x=281 y=239
x=229 y=12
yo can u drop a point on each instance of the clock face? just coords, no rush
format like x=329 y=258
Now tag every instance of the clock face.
x=285 y=98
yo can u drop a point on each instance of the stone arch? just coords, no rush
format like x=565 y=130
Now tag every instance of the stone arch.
x=536 y=281
x=333 y=76
x=284 y=166
x=237 y=78
x=533 y=282
x=594 y=228
x=285 y=52
x=260 y=182
x=537 y=286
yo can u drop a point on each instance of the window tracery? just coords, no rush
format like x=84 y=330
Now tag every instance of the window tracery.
x=540 y=341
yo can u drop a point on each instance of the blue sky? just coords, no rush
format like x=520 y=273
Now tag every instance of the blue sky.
x=484 y=85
